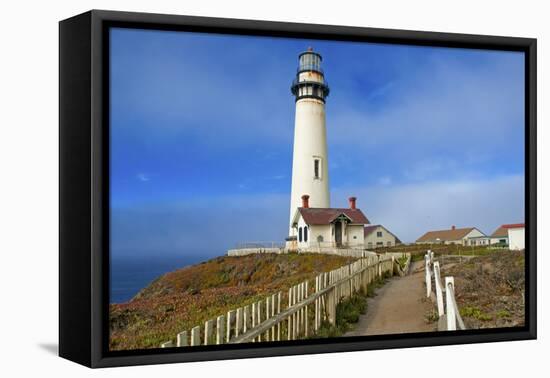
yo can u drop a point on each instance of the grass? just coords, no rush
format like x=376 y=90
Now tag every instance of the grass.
x=431 y=316
x=490 y=289
x=418 y=251
x=402 y=261
x=417 y=257
x=376 y=284
x=348 y=312
x=475 y=312
x=187 y=297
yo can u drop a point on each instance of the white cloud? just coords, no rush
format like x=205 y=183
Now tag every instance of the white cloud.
x=412 y=209
x=208 y=226
x=143 y=177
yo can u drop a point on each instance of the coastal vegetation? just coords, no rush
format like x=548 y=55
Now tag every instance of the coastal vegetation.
x=187 y=297
x=418 y=251
x=490 y=289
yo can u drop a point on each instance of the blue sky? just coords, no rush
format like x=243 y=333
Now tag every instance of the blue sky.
x=202 y=129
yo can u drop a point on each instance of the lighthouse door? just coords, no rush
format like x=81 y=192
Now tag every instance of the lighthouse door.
x=338 y=233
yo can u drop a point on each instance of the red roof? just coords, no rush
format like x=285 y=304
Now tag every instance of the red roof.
x=317 y=215
x=514 y=225
x=370 y=229
x=502 y=231
x=445 y=235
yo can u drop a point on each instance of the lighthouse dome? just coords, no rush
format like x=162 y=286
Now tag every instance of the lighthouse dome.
x=310 y=80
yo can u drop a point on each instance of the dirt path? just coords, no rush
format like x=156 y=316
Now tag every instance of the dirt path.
x=399 y=307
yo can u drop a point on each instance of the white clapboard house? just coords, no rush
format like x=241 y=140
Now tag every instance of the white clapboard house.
x=328 y=228
x=377 y=236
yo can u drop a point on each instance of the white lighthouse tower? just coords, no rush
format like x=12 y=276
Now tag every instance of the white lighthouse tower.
x=310 y=159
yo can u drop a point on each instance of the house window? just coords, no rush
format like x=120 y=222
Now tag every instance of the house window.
x=389 y=244
x=370 y=244
x=379 y=244
x=317 y=168
x=300 y=234
x=378 y=234
x=305 y=234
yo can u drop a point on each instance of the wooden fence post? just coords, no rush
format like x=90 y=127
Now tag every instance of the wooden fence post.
x=273 y=312
x=208 y=328
x=196 y=336
x=438 y=289
x=306 y=311
x=278 y=312
x=230 y=318
x=295 y=315
x=267 y=313
x=451 y=314
x=254 y=315
x=181 y=339
x=302 y=310
x=259 y=316
x=329 y=300
x=316 y=323
x=325 y=298
x=239 y=321
x=246 y=318
x=220 y=323
x=428 y=276
x=289 y=327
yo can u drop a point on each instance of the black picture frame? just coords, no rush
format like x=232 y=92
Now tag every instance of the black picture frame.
x=84 y=185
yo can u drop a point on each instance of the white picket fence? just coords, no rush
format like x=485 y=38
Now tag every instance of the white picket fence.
x=447 y=308
x=309 y=305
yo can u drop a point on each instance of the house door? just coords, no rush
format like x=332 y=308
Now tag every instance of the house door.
x=338 y=233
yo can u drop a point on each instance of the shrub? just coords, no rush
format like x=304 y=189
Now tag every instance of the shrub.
x=347 y=313
x=476 y=313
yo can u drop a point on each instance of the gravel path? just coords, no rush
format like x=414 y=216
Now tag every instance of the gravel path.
x=400 y=306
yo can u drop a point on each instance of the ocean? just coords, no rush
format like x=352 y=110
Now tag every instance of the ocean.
x=130 y=274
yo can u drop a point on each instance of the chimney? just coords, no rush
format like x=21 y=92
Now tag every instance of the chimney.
x=453 y=227
x=305 y=201
x=352 y=202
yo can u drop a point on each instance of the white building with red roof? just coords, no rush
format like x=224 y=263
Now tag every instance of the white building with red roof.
x=319 y=228
x=511 y=235
x=516 y=236
x=377 y=236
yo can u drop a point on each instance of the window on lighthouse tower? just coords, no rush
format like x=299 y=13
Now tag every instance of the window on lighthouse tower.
x=317 y=168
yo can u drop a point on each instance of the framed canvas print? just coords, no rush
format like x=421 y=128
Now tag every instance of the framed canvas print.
x=234 y=188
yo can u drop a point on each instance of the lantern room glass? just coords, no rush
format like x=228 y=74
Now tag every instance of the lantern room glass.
x=310 y=62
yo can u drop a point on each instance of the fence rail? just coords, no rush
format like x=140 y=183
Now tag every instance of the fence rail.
x=448 y=311
x=259 y=244
x=309 y=305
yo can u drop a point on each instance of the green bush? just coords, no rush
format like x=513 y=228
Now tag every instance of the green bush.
x=476 y=313
x=347 y=313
